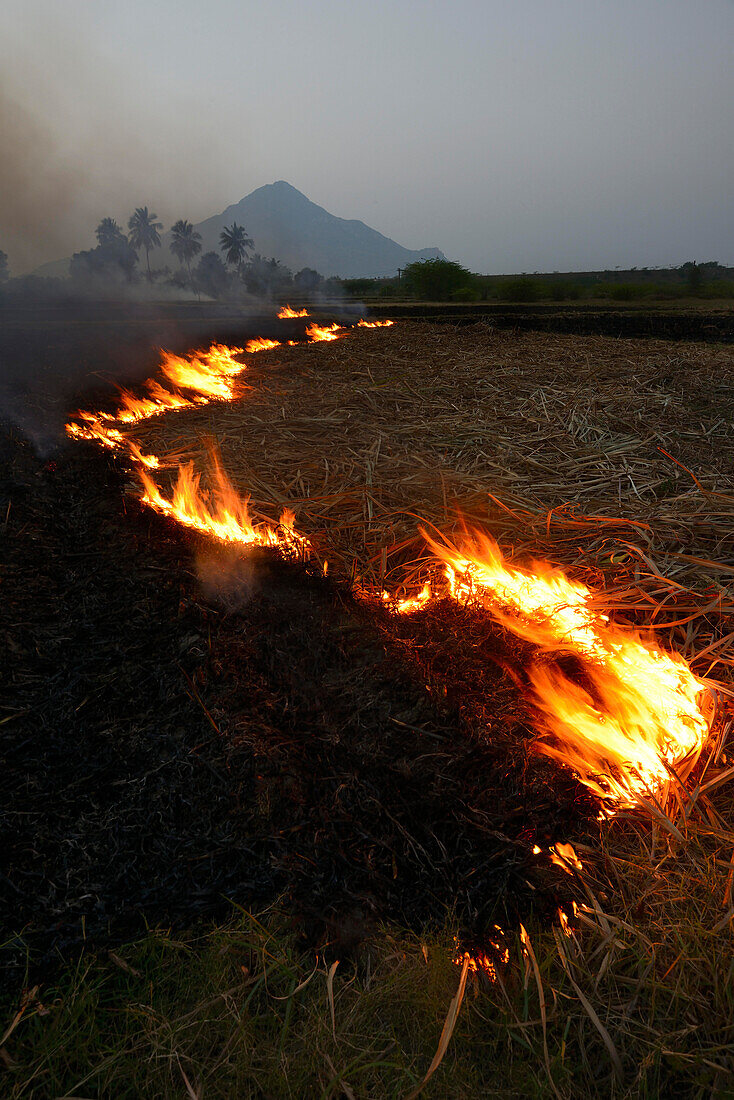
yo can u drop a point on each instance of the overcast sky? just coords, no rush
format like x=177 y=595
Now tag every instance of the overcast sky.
x=515 y=135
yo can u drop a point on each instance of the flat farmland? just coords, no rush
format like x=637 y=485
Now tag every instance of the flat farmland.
x=367 y=435
x=316 y=806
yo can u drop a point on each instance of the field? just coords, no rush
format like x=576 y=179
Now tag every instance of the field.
x=265 y=764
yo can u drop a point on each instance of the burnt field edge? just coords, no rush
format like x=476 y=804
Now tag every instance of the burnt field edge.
x=165 y=754
x=702 y=325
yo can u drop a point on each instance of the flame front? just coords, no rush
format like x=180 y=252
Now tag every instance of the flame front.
x=640 y=714
x=318 y=332
x=206 y=375
x=374 y=324
x=261 y=343
x=635 y=717
x=223 y=513
x=286 y=312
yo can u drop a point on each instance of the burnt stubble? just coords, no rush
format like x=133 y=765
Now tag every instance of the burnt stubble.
x=164 y=751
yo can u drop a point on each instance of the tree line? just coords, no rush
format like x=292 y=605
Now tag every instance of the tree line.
x=439 y=280
x=115 y=261
x=116 y=253
x=213 y=276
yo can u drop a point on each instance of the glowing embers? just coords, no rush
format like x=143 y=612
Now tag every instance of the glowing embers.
x=374 y=324
x=220 y=512
x=634 y=716
x=315 y=332
x=487 y=961
x=286 y=312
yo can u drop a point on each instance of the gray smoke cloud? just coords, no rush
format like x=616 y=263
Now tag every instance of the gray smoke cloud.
x=40 y=186
x=76 y=146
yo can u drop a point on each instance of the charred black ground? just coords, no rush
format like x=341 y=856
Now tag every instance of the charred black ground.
x=55 y=356
x=161 y=754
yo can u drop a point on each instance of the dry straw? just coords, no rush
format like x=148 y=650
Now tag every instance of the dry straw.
x=612 y=457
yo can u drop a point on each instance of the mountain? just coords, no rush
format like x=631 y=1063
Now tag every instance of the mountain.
x=285 y=224
x=54 y=269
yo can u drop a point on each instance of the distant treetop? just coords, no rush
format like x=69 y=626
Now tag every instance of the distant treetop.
x=144 y=232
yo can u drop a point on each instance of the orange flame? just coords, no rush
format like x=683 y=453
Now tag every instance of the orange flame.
x=481 y=961
x=161 y=400
x=563 y=855
x=223 y=513
x=207 y=374
x=261 y=343
x=641 y=713
x=151 y=462
x=475 y=964
x=287 y=312
x=564 y=922
x=374 y=324
x=95 y=428
x=409 y=603
x=317 y=332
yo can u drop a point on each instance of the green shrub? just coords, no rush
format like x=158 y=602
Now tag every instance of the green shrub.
x=435 y=280
x=719 y=288
x=564 y=291
x=521 y=290
x=466 y=294
x=630 y=292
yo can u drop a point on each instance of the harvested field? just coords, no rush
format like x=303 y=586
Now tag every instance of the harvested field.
x=163 y=752
x=557 y=443
x=194 y=725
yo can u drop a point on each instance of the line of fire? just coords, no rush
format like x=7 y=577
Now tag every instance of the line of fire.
x=611 y=711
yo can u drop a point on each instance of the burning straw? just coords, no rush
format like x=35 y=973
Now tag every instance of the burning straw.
x=361 y=447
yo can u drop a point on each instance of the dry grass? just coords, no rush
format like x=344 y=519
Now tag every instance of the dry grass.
x=637 y=1002
x=557 y=443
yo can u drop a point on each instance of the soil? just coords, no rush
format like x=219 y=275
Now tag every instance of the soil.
x=181 y=728
x=710 y=323
x=164 y=750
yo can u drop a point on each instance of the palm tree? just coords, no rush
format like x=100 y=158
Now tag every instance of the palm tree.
x=234 y=243
x=185 y=243
x=144 y=232
x=108 y=232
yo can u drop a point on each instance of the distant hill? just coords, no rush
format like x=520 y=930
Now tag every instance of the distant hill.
x=54 y=269
x=285 y=224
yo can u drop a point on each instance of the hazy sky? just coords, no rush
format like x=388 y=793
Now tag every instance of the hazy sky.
x=515 y=135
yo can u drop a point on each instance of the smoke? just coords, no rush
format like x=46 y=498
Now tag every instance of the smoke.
x=40 y=186
x=55 y=352
x=227 y=577
x=84 y=136
x=62 y=352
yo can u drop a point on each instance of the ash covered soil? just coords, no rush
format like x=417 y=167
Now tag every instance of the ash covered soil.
x=163 y=751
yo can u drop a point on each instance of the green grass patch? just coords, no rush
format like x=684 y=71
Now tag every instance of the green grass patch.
x=638 y=1001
